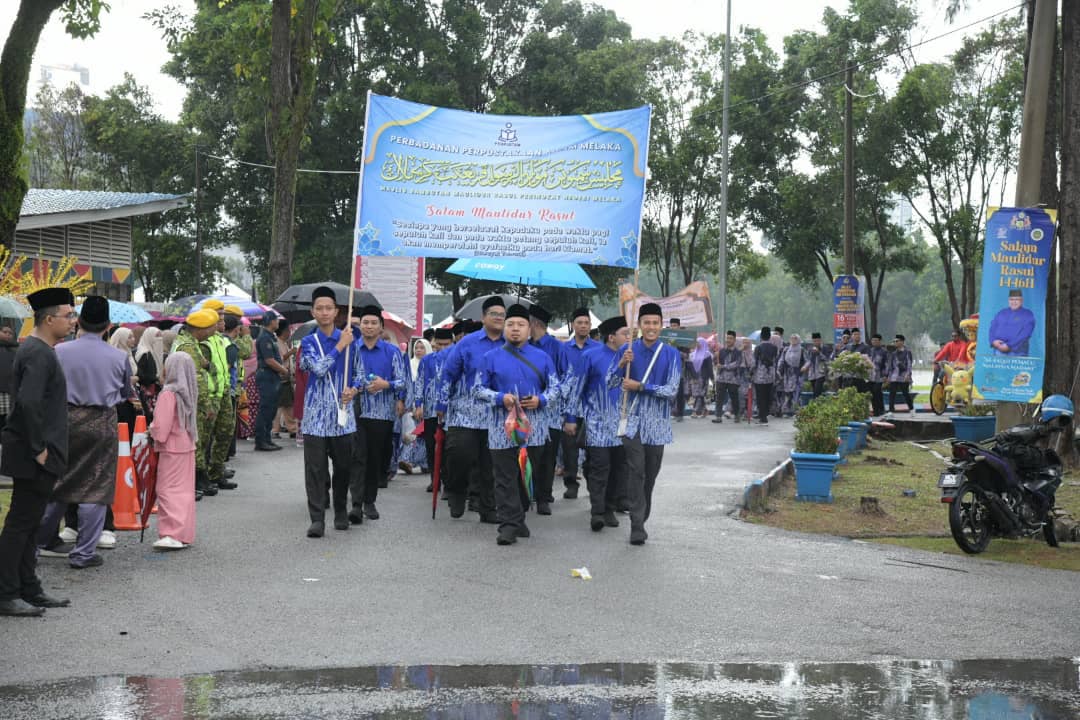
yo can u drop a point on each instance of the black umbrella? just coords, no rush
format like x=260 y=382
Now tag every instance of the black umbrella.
x=301 y=331
x=295 y=302
x=474 y=309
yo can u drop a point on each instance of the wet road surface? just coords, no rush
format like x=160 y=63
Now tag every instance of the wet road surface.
x=973 y=689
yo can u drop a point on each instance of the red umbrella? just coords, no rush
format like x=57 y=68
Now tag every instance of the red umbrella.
x=146 y=472
x=440 y=436
x=750 y=404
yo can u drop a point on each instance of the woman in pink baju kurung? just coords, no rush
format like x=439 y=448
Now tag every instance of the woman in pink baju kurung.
x=174 y=433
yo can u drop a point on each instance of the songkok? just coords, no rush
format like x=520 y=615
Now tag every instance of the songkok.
x=213 y=304
x=95 y=311
x=444 y=334
x=518 y=311
x=429 y=334
x=494 y=301
x=778 y=330
x=202 y=319
x=370 y=310
x=612 y=325
x=731 y=333
x=877 y=335
x=675 y=321
x=766 y=333
x=815 y=336
x=472 y=326
x=580 y=312
x=234 y=311
x=856 y=330
x=1016 y=293
x=539 y=313
x=650 y=309
x=900 y=338
x=51 y=297
x=458 y=328
x=268 y=317
x=321 y=292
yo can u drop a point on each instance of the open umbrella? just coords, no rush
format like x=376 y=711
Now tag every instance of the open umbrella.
x=523 y=272
x=181 y=307
x=301 y=294
x=474 y=309
x=124 y=313
x=12 y=308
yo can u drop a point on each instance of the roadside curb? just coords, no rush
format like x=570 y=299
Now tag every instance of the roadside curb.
x=757 y=492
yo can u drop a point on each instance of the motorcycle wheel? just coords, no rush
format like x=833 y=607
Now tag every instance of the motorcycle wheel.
x=969 y=520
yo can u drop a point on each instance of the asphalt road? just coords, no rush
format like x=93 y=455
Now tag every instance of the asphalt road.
x=254 y=593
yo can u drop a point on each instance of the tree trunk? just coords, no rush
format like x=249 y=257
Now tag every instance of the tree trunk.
x=1067 y=353
x=15 y=66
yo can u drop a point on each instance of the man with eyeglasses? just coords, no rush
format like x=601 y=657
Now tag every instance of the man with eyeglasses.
x=35 y=450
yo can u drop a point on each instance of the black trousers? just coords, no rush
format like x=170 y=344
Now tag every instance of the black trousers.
x=511 y=497
x=877 y=399
x=570 y=459
x=605 y=478
x=818 y=387
x=763 y=396
x=371 y=452
x=642 y=467
x=680 y=400
x=319 y=452
x=895 y=388
x=469 y=461
x=18 y=548
x=544 y=481
x=725 y=392
x=861 y=385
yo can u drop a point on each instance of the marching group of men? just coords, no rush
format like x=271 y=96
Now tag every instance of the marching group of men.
x=574 y=395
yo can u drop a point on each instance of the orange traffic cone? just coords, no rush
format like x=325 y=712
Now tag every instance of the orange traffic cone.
x=126 y=503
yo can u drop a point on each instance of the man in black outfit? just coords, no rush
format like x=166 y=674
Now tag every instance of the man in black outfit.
x=35 y=446
x=763 y=374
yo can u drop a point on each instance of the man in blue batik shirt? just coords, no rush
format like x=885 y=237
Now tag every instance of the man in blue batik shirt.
x=515 y=373
x=575 y=350
x=467 y=417
x=1011 y=328
x=328 y=434
x=382 y=382
x=428 y=376
x=597 y=405
x=544 y=474
x=655 y=371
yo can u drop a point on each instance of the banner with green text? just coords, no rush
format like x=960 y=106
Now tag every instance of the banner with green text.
x=437 y=182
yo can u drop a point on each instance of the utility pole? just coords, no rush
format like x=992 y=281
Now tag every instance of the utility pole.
x=721 y=319
x=198 y=228
x=849 y=173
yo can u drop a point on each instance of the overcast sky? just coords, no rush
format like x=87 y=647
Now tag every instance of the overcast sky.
x=129 y=43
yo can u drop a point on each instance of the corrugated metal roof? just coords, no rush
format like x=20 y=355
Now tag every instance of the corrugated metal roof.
x=48 y=202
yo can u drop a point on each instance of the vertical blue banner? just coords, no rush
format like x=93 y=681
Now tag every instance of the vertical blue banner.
x=437 y=182
x=1010 y=354
x=848 y=302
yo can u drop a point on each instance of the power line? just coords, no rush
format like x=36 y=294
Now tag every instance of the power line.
x=273 y=167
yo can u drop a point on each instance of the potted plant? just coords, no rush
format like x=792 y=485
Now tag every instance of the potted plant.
x=806 y=394
x=815 y=455
x=975 y=422
x=857 y=408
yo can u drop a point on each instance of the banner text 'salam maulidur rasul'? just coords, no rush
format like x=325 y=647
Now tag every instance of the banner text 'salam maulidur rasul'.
x=446 y=183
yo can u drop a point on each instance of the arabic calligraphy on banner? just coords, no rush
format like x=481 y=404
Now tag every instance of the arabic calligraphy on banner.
x=446 y=183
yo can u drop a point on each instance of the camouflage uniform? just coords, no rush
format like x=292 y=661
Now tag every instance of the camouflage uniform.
x=224 y=425
x=200 y=353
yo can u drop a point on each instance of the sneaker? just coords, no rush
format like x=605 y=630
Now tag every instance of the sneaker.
x=69 y=535
x=107 y=540
x=59 y=550
x=168 y=543
x=94 y=561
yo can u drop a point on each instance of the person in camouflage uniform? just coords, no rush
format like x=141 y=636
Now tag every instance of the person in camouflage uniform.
x=240 y=349
x=199 y=326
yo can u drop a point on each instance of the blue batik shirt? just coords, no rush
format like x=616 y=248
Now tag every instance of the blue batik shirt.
x=649 y=409
x=598 y=402
x=575 y=359
x=565 y=372
x=428 y=376
x=502 y=373
x=326 y=371
x=459 y=375
x=384 y=361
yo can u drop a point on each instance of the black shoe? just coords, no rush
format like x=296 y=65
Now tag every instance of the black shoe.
x=718 y=421
x=229 y=473
x=507 y=536
x=356 y=516
x=209 y=491
x=610 y=520
x=94 y=561
x=638 y=537
x=198 y=495
x=596 y=522
x=47 y=601
x=543 y=507
x=370 y=512
x=624 y=507
x=430 y=487
x=384 y=483
x=474 y=505
x=341 y=520
x=316 y=529
x=224 y=484
x=267 y=448
x=490 y=518
x=523 y=531
x=762 y=422
x=457 y=506
x=20 y=608
x=570 y=493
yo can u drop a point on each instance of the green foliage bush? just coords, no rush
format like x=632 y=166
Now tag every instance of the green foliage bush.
x=816 y=424
x=855 y=405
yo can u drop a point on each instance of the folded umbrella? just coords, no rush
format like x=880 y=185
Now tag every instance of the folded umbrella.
x=436 y=472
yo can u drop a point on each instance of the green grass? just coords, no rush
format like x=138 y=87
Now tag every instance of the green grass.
x=884 y=471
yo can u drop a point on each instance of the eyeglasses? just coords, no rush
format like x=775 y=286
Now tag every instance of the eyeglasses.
x=70 y=316
x=496 y=315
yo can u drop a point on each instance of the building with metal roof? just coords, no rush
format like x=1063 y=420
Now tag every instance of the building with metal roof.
x=94 y=226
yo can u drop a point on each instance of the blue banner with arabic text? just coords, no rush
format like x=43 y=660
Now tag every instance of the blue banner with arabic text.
x=1010 y=354
x=446 y=183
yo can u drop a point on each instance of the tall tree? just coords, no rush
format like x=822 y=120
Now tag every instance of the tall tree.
x=82 y=19
x=55 y=145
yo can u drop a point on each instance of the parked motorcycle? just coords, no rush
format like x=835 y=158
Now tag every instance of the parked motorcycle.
x=1005 y=487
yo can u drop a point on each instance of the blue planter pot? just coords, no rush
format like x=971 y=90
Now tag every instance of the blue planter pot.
x=860 y=429
x=813 y=476
x=848 y=436
x=805 y=398
x=973 y=429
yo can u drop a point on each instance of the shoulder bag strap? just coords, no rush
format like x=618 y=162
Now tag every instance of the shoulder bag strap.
x=517 y=354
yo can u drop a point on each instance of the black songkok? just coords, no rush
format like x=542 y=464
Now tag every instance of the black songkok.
x=444 y=334
x=517 y=311
x=650 y=309
x=321 y=292
x=51 y=297
x=611 y=325
x=494 y=301
x=580 y=312
x=539 y=313
x=95 y=311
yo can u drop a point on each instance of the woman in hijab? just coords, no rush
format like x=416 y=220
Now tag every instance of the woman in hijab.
x=792 y=359
x=414 y=454
x=174 y=433
x=150 y=361
x=123 y=339
x=699 y=375
x=168 y=337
